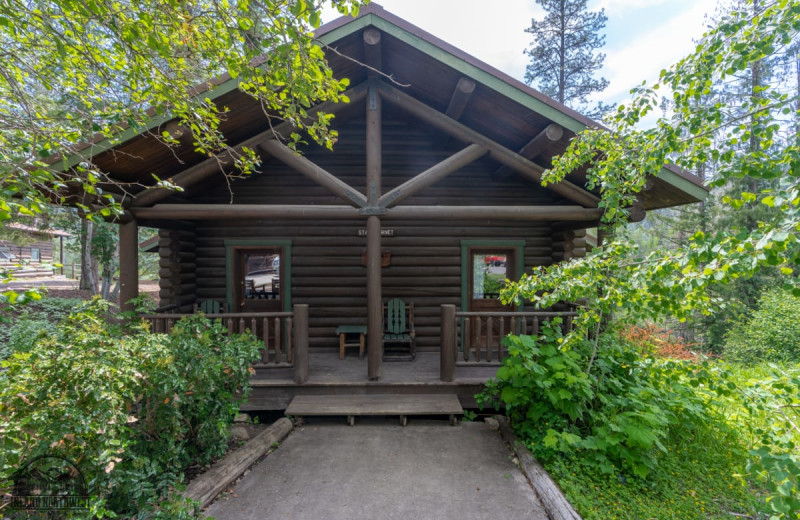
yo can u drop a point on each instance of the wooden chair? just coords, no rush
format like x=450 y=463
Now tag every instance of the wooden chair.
x=211 y=307
x=398 y=331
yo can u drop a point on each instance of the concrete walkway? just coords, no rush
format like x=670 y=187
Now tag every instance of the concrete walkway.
x=379 y=470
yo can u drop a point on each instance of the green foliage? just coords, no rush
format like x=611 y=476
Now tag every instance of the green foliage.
x=770 y=395
x=133 y=409
x=693 y=481
x=37 y=318
x=772 y=333
x=603 y=402
x=77 y=70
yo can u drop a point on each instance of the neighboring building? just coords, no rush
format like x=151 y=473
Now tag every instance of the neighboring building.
x=431 y=195
x=35 y=249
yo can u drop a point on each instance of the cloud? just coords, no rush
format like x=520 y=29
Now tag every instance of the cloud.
x=643 y=57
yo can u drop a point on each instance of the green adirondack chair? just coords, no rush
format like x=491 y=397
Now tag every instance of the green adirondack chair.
x=210 y=307
x=399 y=337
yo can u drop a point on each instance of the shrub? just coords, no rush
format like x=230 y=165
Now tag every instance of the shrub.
x=772 y=333
x=36 y=320
x=603 y=402
x=650 y=340
x=133 y=409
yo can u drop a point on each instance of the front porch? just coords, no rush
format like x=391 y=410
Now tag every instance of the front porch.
x=470 y=351
x=274 y=388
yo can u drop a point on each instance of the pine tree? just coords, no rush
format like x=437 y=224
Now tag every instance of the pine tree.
x=563 y=58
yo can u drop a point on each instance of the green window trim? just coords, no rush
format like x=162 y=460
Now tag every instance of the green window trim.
x=286 y=263
x=519 y=253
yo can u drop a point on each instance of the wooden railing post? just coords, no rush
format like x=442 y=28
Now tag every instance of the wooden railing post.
x=447 y=363
x=300 y=343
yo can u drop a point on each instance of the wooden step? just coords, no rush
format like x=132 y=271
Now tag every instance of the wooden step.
x=388 y=404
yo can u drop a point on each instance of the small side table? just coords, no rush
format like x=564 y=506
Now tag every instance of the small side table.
x=346 y=338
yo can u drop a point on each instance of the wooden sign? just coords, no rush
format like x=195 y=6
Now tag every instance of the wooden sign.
x=384 y=232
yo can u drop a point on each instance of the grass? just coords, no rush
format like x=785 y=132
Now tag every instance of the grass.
x=701 y=474
x=692 y=481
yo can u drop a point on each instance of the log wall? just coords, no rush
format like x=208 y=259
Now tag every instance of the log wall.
x=45 y=247
x=326 y=269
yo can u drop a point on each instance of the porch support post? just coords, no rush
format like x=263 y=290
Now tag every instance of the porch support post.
x=128 y=264
x=374 y=289
x=300 y=343
x=447 y=349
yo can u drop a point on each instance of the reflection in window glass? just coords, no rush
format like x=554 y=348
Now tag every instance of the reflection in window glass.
x=262 y=276
x=489 y=272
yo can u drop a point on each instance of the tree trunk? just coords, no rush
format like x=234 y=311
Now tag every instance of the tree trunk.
x=110 y=293
x=87 y=282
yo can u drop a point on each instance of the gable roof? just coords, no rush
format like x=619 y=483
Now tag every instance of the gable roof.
x=416 y=63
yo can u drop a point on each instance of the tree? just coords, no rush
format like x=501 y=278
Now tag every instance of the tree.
x=563 y=58
x=616 y=278
x=75 y=71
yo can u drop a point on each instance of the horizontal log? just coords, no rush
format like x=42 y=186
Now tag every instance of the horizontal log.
x=181 y=245
x=522 y=213
x=254 y=211
x=208 y=485
x=181 y=271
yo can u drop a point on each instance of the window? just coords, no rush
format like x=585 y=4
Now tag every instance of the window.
x=35 y=255
x=5 y=254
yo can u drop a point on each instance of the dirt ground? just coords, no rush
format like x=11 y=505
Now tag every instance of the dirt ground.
x=61 y=287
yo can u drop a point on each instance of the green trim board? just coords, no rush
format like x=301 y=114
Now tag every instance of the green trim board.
x=682 y=184
x=286 y=264
x=477 y=74
x=517 y=245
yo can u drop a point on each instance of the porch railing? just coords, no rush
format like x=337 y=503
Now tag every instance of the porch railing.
x=476 y=338
x=284 y=335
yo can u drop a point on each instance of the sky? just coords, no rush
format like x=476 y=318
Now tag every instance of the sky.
x=642 y=36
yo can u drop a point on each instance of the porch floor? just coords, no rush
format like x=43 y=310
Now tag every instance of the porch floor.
x=326 y=367
x=274 y=388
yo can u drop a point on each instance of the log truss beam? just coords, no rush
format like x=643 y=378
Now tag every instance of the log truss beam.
x=431 y=175
x=513 y=160
x=213 y=165
x=322 y=177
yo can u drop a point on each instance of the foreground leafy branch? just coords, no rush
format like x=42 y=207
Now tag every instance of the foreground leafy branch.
x=76 y=72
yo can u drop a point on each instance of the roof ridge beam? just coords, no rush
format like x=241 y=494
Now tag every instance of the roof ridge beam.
x=433 y=174
x=314 y=172
x=498 y=152
x=534 y=148
x=372 y=51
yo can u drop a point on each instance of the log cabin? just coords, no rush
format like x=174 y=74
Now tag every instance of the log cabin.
x=429 y=201
x=31 y=246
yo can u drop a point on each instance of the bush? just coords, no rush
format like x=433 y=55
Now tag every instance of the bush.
x=38 y=318
x=771 y=334
x=133 y=409
x=605 y=403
